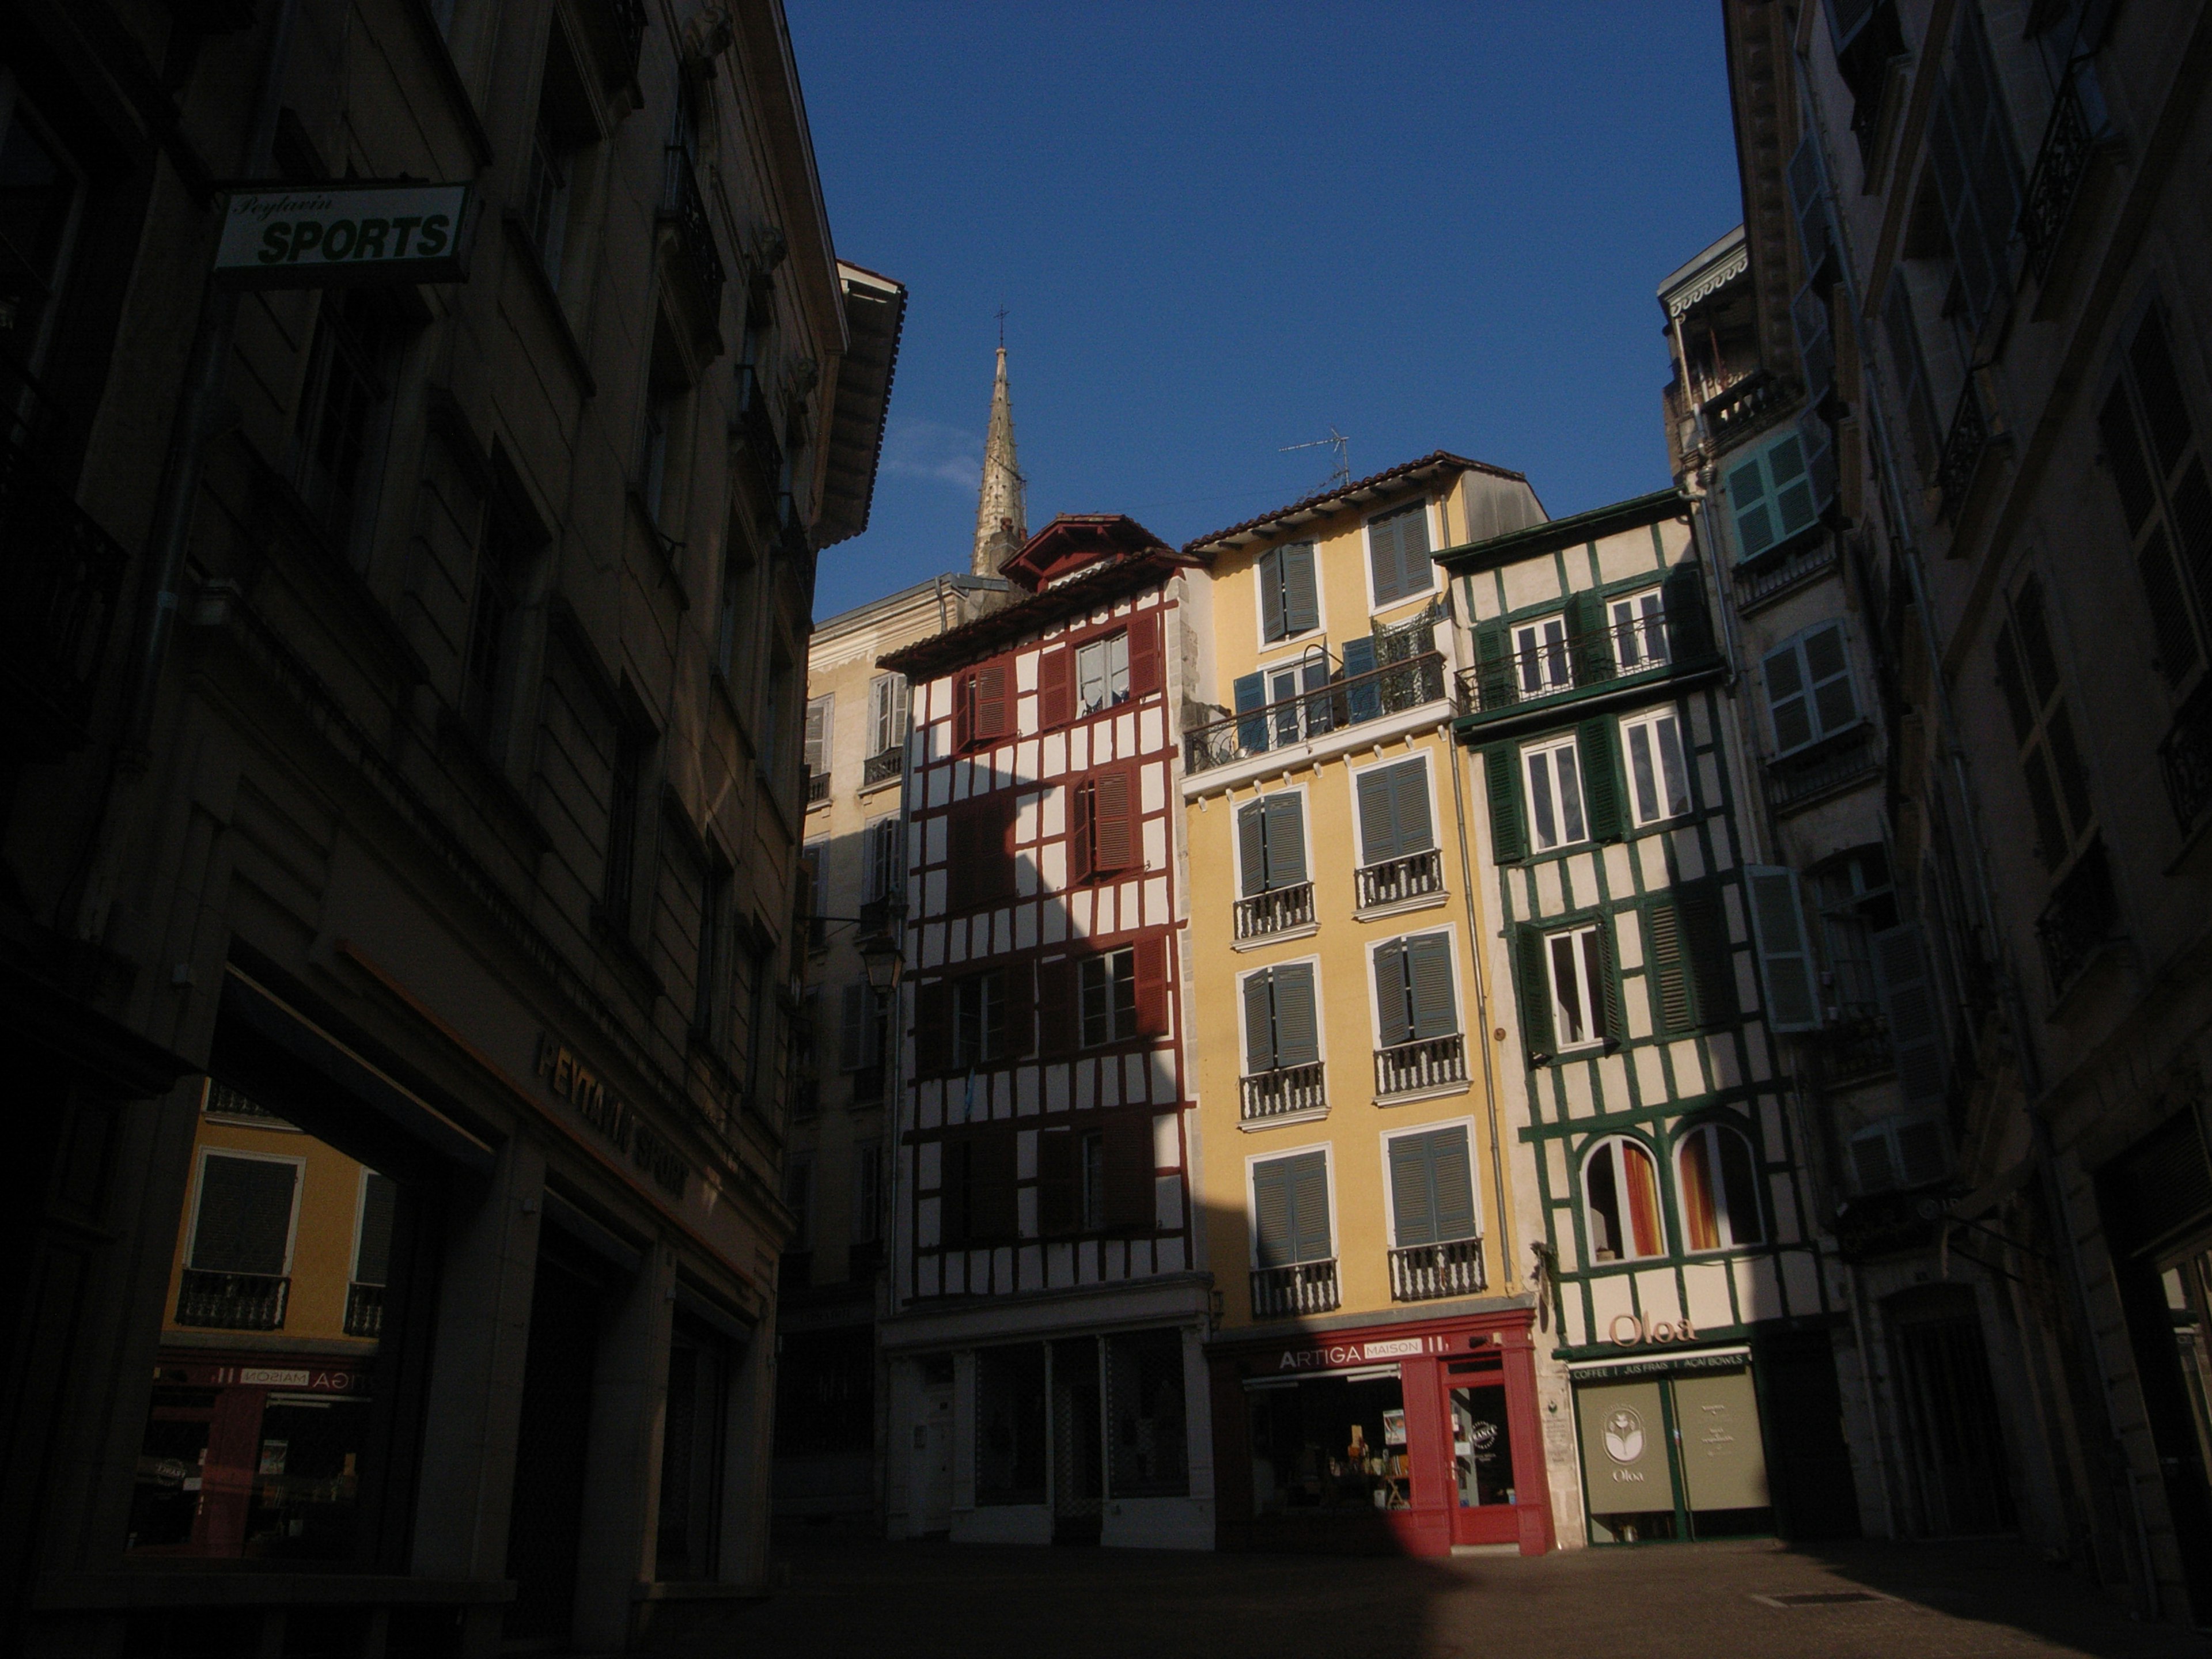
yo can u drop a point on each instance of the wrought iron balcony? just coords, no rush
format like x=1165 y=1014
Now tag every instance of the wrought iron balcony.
x=1275 y=912
x=2061 y=162
x=1795 y=780
x=2184 y=757
x=1422 y=1273
x=818 y=787
x=883 y=768
x=1853 y=1045
x=1393 y=881
x=1279 y=1093
x=364 y=1314
x=65 y=579
x=1292 y=721
x=1964 y=445
x=233 y=1302
x=1577 y=662
x=683 y=206
x=1305 y=1287
x=1758 y=583
x=1425 y=1063
x=2083 y=914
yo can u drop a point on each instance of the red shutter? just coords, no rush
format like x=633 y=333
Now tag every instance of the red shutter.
x=1145 y=667
x=1114 y=829
x=1056 y=687
x=1057 y=1013
x=994 y=711
x=1130 y=1205
x=1152 y=963
x=1082 y=802
x=1013 y=1022
x=964 y=710
x=932 y=1028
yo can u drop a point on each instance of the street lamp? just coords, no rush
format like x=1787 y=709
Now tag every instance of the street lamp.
x=882 y=955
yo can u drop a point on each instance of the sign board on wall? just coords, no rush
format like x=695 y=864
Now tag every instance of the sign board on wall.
x=341 y=234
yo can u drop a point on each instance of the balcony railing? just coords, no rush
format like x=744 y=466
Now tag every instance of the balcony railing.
x=1276 y=912
x=1305 y=1287
x=882 y=768
x=364 y=1314
x=2184 y=757
x=2082 y=915
x=2061 y=164
x=1853 y=1045
x=682 y=205
x=1292 y=721
x=66 y=574
x=1279 y=1093
x=1396 y=880
x=1576 y=662
x=1425 y=1063
x=1964 y=445
x=818 y=787
x=1754 y=402
x=1422 y=1273
x=1796 y=779
x=233 y=1302
x=1755 y=585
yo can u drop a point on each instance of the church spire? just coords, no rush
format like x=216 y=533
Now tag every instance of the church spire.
x=1001 y=520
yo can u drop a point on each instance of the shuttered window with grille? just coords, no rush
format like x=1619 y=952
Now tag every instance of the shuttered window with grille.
x=1785 y=954
x=244 y=1221
x=1976 y=172
x=1271 y=844
x=1432 y=1188
x=1290 y=1210
x=1414 y=993
x=1290 y=599
x=1809 y=692
x=1280 y=1029
x=1775 y=495
x=1393 y=811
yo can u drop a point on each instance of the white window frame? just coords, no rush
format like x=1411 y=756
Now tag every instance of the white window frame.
x=1105 y=961
x=825 y=746
x=1321 y=1015
x=1555 y=671
x=1390 y=1193
x=1252 y=1163
x=882 y=713
x=1644 y=630
x=1112 y=651
x=1588 y=938
x=1549 y=750
x=200 y=1188
x=1649 y=723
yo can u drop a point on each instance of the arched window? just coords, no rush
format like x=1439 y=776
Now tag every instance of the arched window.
x=1719 y=1183
x=1620 y=1195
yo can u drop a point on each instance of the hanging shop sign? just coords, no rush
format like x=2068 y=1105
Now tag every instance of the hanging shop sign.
x=614 y=1118
x=334 y=235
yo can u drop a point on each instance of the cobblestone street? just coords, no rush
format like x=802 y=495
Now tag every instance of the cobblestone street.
x=1713 y=1601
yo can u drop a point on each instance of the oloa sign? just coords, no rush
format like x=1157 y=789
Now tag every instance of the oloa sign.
x=323 y=235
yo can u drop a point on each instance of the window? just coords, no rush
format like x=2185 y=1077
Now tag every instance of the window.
x=1786 y=955
x=979 y=851
x=1279 y=1027
x=709 y=987
x=545 y=196
x=1658 y=775
x=1096 y=1181
x=237 y=1269
x=1621 y=1201
x=1289 y=599
x=1914 y=391
x=1278 y=715
x=1555 y=794
x=887 y=712
x=1432 y=1188
x=1398 y=554
x=1108 y=985
x=2035 y=696
x=1414 y=994
x=775 y=707
x=867 y=1221
x=1010 y=1455
x=691 y=1451
x=1899 y=1152
x=1102 y=835
x=1090 y=1182
x=1271 y=844
x=1639 y=631
x=760 y=1027
x=372 y=1246
x=860 y=1029
x=2156 y=460
x=1101 y=673
x=1856 y=900
x=1147 y=1433
x=1970 y=155
x=1290 y=1210
x=885 y=874
x=733 y=630
x=488 y=672
x=1393 y=811
x=1575 y=962
x=340 y=419
x=1718 y=1182
x=625 y=786
x=961 y=1024
x=820 y=714
x=983 y=706
x=798 y=1199
x=1809 y=695
x=1775 y=495
x=1869 y=57
x=975 y=1003
x=1540 y=650
x=814 y=869
x=39 y=218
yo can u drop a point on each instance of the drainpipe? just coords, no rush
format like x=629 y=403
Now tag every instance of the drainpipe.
x=1476 y=943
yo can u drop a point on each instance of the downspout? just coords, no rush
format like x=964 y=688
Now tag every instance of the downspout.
x=1476 y=943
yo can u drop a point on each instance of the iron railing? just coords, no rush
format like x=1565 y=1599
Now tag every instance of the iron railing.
x=1422 y=1273
x=1853 y=1044
x=65 y=580
x=1425 y=1063
x=364 y=1314
x=1964 y=445
x=1394 y=880
x=2184 y=757
x=1304 y=1287
x=2061 y=163
x=1796 y=779
x=233 y=1302
x=817 y=786
x=1752 y=403
x=882 y=768
x=683 y=206
x=2083 y=914
x=1275 y=912
x=1292 y=721
x=1279 y=1093
x=1755 y=585
x=223 y=1101
x=1575 y=662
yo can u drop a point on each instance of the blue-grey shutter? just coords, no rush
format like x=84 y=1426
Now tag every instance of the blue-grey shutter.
x=1908 y=1005
x=1285 y=826
x=1409 y=798
x=1750 y=510
x=372 y=1256
x=1252 y=847
x=245 y=1218
x=1393 y=1002
x=1251 y=694
x=1378 y=818
x=1275 y=1239
x=1301 y=598
x=1429 y=977
x=1363 y=701
x=1454 y=1183
x=1828 y=680
x=1383 y=559
x=1785 y=957
x=1309 y=1206
x=1413 y=1192
x=1259 y=1024
x=1786 y=704
x=1320 y=701
x=1297 y=1038
x=1270 y=570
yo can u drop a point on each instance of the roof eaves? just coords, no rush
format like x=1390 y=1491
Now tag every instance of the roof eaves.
x=1346 y=495
x=1555 y=533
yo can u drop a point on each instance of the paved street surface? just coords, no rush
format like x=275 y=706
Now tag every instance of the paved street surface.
x=1945 y=1601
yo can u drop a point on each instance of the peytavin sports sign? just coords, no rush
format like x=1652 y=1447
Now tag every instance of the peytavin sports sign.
x=325 y=235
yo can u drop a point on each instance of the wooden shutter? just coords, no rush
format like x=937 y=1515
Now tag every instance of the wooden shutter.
x=1454 y=1175
x=1151 y=963
x=1429 y=980
x=817 y=735
x=1393 y=1001
x=1252 y=848
x=1286 y=851
x=1785 y=956
x=245 y=1219
x=1413 y=1192
x=1608 y=979
x=1789 y=704
x=1113 y=841
x=1320 y=702
x=993 y=707
x=993 y=1210
x=1259 y=1024
x=1146 y=667
x=1273 y=1236
x=1056 y=686
x=1589 y=643
x=1013 y=1013
x=956 y=1190
x=1364 y=700
x=1509 y=832
x=964 y=710
x=1383 y=562
x=1301 y=597
x=932 y=1028
x=1666 y=969
x=1059 y=1014
x=1409 y=797
x=1131 y=1206
x=1310 y=1237
x=1269 y=570
x=1297 y=1038
x=1828 y=680
x=1493 y=657
x=1531 y=985
x=1689 y=626
x=1250 y=695
x=1379 y=816
x=1599 y=750
x=1711 y=958
x=1805 y=176
x=1082 y=809
x=1789 y=486
x=1749 y=509
x=1816 y=344
x=1058 y=1212
x=1908 y=1005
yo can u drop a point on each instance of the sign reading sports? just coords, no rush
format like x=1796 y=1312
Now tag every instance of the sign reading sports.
x=322 y=236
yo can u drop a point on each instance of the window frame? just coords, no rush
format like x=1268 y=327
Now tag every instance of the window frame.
x=1252 y=1162
x=1649 y=721
x=1104 y=645
x=1389 y=1137
x=1590 y=1157
x=1569 y=744
x=1550 y=661
x=1647 y=621
x=1810 y=687
x=889 y=705
x=299 y=1167
x=1594 y=963
x=1119 y=968
x=1714 y=1131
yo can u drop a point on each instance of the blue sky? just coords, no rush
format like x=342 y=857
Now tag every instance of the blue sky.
x=1220 y=229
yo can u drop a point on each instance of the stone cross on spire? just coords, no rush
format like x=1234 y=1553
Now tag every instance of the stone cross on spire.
x=1001 y=520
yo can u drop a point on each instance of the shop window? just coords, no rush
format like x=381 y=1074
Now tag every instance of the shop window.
x=1658 y=773
x=1010 y=1425
x=1717 y=1177
x=692 y=1436
x=1555 y=794
x=825 y=1392
x=1621 y=1201
x=1290 y=599
x=1330 y=1445
x=1147 y=1432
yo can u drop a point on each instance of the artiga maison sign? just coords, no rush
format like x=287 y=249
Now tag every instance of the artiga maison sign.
x=356 y=232
x=616 y=1122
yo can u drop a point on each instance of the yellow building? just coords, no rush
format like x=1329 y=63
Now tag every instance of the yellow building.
x=1373 y=1368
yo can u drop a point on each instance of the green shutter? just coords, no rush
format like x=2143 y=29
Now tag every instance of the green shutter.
x=1666 y=973
x=1301 y=599
x=1309 y=1206
x=1828 y=680
x=1271 y=1212
x=1533 y=985
x=1509 y=834
x=1494 y=656
x=1378 y=818
x=1429 y=979
x=1413 y=1192
x=1589 y=646
x=1790 y=485
x=1599 y=750
x=1392 y=1000
x=1748 y=506
x=1259 y=1025
x=1785 y=957
x=1816 y=345
x=1286 y=839
x=1252 y=848
x=1298 y=1039
x=1711 y=958
x=1908 y=1007
x=1689 y=625
x=1615 y=1029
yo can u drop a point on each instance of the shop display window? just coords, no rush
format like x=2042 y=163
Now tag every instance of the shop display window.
x=1010 y=1424
x=1329 y=1444
x=1147 y=1436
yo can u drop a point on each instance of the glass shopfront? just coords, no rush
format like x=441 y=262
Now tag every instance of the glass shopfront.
x=1329 y=1444
x=1677 y=1455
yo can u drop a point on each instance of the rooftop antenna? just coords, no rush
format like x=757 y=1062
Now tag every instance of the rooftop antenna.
x=1339 y=474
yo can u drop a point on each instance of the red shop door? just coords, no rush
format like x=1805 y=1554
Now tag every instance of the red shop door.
x=1480 y=1437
